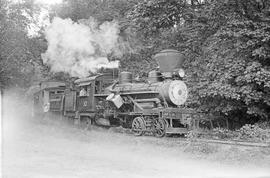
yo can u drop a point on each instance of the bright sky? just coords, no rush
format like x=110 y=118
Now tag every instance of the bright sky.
x=45 y=2
x=43 y=17
x=49 y=2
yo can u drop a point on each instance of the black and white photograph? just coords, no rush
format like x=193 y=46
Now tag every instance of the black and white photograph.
x=135 y=88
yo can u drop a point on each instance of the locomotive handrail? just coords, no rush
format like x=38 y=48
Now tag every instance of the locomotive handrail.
x=148 y=99
x=139 y=92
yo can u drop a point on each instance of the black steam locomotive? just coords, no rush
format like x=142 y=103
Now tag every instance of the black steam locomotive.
x=150 y=106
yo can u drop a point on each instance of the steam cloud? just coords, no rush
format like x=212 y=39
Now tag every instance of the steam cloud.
x=80 y=48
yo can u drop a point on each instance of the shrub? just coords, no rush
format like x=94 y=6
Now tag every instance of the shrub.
x=253 y=133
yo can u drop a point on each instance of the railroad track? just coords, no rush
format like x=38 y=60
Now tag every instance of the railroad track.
x=180 y=139
x=234 y=142
x=212 y=141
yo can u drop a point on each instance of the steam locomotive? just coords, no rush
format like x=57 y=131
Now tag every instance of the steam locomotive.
x=151 y=106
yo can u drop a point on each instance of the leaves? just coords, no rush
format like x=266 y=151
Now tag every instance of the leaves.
x=19 y=54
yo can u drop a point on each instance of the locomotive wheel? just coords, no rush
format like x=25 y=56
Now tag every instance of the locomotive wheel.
x=138 y=126
x=160 y=128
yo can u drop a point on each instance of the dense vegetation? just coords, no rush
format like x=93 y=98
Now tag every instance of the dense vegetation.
x=226 y=42
x=19 y=54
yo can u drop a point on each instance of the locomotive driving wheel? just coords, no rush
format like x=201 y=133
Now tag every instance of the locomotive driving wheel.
x=160 y=127
x=138 y=126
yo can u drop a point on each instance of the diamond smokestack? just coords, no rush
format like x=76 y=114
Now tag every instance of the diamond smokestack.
x=169 y=60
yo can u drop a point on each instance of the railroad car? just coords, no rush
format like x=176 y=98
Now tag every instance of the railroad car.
x=48 y=98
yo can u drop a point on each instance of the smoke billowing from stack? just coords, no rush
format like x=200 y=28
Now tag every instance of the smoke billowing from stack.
x=80 y=48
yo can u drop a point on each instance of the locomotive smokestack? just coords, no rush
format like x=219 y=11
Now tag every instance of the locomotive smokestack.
x=169 y=60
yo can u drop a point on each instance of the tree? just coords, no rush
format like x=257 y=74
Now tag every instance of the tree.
x=238 y=75
x=20 y=54
x=105 y=10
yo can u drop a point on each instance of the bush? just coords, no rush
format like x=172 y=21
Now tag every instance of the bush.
x=257 y=132
x=253 y=133
x=264 y=125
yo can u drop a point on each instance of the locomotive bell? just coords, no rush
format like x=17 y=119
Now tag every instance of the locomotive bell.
x=169 y=60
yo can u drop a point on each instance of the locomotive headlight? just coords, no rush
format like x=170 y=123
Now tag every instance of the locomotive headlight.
x=181 y=73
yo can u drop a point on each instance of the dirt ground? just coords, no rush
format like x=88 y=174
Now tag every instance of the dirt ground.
x=35 y=148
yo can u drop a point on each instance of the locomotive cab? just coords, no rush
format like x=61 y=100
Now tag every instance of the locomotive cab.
x=83 y=103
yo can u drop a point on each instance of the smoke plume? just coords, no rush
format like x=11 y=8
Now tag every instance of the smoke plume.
x=80 y=48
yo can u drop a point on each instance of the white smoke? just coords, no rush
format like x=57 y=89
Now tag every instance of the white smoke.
x=80 y=48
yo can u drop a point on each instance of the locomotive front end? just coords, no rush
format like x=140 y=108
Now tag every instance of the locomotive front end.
x=173 y=89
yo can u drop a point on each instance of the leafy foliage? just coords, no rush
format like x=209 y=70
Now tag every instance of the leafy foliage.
x=237 y=57
x=252 y=132
x=105 y=10
x=19 y=55
x=247 y=132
